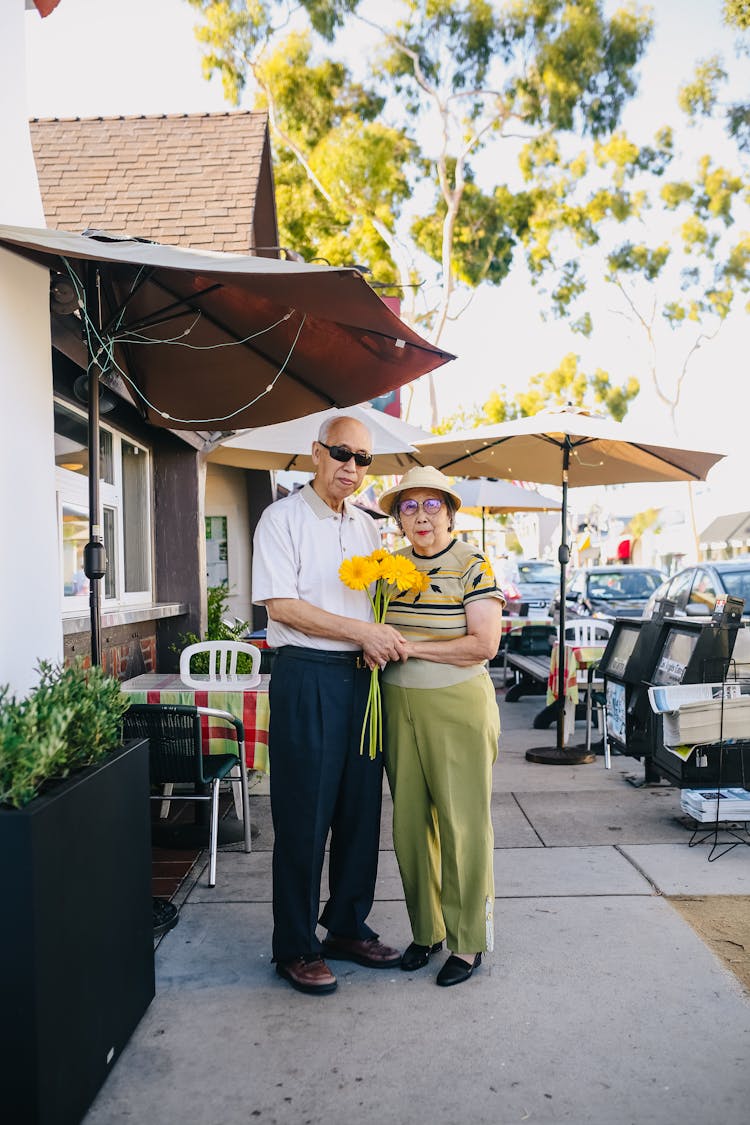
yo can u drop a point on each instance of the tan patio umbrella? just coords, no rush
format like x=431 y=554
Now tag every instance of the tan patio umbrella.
x=287 y=445
x=567 y=447
x=501 y=497
x=213 y=341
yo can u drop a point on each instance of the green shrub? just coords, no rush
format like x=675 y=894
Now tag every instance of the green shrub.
x=72 y=719
x=216 y=630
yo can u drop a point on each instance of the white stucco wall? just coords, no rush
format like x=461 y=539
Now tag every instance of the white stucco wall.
x=30 y=621
x=226 y=495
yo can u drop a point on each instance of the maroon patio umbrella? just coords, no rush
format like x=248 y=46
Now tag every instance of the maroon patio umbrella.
x=214 y=341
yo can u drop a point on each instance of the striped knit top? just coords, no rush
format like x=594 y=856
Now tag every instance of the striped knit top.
x=458 y=575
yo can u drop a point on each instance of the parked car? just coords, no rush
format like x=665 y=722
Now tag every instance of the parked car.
x=529 y=590
x=694 y=589
x=608 y=591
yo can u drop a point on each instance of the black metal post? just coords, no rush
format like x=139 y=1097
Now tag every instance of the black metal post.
x=560 y=754
x=94 y=556
x=563 y=555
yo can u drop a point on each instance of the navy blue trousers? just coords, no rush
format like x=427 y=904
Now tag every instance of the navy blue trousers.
x=320 y=784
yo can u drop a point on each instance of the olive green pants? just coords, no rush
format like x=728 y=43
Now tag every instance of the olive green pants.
x=440 y=745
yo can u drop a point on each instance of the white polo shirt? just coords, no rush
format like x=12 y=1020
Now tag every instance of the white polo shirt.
x=298 y=547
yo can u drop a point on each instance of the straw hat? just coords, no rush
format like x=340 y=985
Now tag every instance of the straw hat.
x=418 y=477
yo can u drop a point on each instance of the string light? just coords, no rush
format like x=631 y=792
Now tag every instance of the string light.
x=107 y=346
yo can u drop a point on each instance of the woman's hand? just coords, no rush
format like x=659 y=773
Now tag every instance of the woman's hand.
x=381 y=643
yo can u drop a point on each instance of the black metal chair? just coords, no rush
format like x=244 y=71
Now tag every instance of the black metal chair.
x=176 y=756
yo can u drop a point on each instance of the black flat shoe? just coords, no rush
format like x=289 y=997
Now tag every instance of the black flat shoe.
x=456 y=970
x=417 y=956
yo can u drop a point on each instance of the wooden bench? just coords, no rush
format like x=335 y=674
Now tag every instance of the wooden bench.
x=531 y=672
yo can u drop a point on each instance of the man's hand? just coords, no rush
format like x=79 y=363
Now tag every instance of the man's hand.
x=381 y=643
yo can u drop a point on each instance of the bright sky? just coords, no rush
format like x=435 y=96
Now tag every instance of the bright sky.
x=106 y=57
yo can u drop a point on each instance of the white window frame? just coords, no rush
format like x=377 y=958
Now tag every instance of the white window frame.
x=72 y=488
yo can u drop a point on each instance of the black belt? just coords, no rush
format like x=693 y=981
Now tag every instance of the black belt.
x=324 y=655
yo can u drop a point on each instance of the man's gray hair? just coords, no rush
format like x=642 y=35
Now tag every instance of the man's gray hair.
x=326 y=426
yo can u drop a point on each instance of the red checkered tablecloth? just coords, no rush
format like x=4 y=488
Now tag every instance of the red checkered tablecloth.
x=577 y=659
x=250 y=705
x=510 y=624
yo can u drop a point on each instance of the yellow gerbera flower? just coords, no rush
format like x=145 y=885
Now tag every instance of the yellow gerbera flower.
x=358 y=572
x=420 y=581
x=398 y=571
x=379 y=555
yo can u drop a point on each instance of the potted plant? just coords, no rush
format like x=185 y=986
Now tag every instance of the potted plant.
x=76 y=942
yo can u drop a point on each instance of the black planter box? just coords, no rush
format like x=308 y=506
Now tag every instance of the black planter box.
x=76 y=937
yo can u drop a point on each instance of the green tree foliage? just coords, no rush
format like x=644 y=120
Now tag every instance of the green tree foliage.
x=737 y=14
x=669 y=235
x=567 y=383
x=381 y=170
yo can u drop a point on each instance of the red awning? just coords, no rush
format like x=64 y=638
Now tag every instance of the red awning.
x=44 y=7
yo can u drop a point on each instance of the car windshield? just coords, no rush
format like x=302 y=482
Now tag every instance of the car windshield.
x=623 y=584
x=737 y=583
x=538 y=572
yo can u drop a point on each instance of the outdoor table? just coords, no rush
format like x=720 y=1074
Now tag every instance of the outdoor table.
x=578 y=658
x=250 y=705
x=510 y=624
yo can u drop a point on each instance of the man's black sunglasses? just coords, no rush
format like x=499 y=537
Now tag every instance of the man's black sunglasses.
x=341 y=453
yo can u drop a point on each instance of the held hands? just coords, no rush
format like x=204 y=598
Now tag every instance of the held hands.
x=381 y=643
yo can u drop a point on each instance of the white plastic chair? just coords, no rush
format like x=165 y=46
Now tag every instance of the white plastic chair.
x=222 y=673
x=222 y=664
x=586 y=631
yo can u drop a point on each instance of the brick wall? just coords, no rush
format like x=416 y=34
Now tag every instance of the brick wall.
x=127 y=650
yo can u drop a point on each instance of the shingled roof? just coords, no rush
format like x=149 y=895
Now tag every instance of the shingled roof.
x=204 y=180
x=733 y=528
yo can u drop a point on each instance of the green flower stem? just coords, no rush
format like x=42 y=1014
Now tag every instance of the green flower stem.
x=374 y=708
x=364 y=721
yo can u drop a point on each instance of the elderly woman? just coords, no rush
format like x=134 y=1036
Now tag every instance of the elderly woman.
x=441 y=731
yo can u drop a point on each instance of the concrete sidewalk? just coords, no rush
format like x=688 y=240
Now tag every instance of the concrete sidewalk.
x=600 y=1003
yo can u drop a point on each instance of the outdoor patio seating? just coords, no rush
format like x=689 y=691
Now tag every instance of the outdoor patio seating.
x=222 y=663
x=176 y=756
x=222 y=670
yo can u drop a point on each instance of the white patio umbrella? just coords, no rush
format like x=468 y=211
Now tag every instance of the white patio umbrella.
x=287 y=445
x=502 y=497
x=568 y=447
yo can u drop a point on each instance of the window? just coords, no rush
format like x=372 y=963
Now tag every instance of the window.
x=125 y=484
x=217 y=561
x=703 y=592
x=680 y=588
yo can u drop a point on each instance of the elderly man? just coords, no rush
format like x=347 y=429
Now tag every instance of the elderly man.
x=327 y=641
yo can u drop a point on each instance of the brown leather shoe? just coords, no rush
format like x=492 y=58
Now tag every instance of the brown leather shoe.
x=308 y=974
x=363 y=951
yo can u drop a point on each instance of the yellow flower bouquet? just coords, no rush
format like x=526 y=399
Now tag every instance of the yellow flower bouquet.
x=391 y=575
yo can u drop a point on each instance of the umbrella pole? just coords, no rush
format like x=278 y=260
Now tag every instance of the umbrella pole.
x=560 y=754
x=483 y=536
x=94 y=557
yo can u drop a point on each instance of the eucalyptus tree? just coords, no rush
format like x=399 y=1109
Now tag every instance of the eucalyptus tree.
x=398 y=128
x=667 y=229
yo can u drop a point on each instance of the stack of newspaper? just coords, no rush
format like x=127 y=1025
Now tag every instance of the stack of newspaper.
x=696 y=714
x=701 y=804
